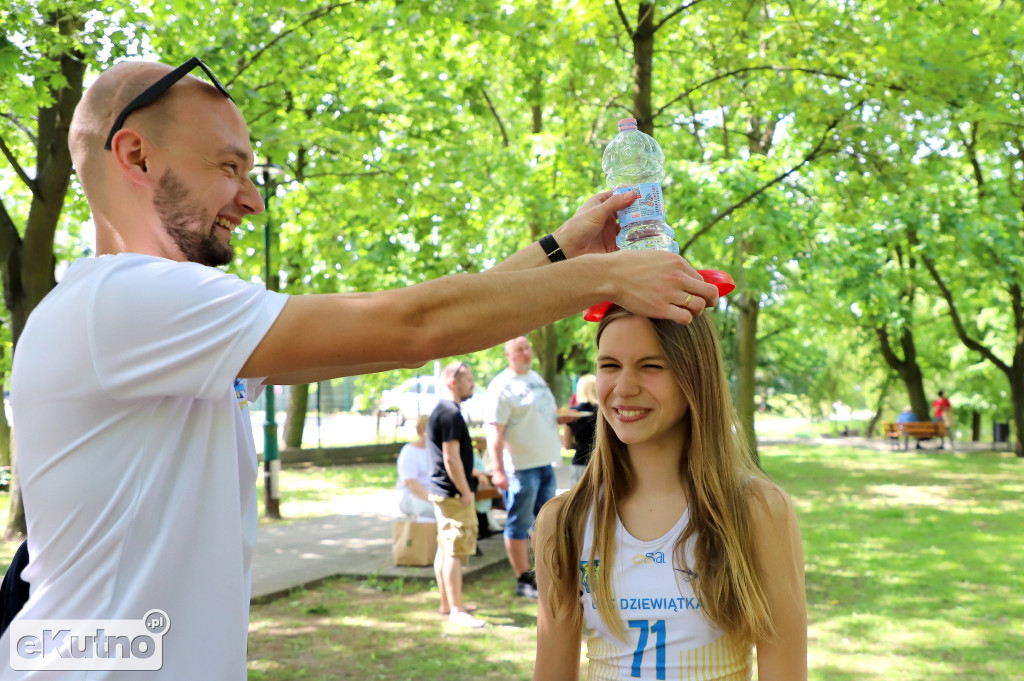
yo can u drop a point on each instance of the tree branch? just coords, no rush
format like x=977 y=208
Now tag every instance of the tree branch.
x=622 y=16
x=19 y=171
x=311 y=16
x=972 y=154
x=957 y=323
x=753 y=195
x=746 y=69
x=676 y=11
x=593 y=134
x=497 y=117
x=311 y=176
x=9 y=237
x=20 y=126
x=776 y=332
x=887 y=353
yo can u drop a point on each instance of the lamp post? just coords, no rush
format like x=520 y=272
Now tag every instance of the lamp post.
x=271 y=457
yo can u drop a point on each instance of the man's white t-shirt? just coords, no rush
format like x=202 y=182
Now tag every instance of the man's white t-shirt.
x=136 y=457
x=524 y=404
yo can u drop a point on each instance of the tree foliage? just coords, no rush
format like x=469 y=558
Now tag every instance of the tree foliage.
x=857 y=166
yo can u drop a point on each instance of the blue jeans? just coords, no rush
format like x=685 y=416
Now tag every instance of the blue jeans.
x=528 y=490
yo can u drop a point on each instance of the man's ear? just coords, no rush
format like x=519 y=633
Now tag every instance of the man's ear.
x=131 y=150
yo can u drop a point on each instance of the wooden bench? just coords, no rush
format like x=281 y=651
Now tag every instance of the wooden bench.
x=920 y=430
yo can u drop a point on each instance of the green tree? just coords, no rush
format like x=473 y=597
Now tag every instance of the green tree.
x=45 y=52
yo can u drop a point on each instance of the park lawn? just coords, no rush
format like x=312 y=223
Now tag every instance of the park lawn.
x=309 y=491
x=384 y=629
x=914 y=572
x=914 y=568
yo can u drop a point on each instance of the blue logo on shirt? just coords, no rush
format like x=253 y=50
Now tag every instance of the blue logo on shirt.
x=240 y=393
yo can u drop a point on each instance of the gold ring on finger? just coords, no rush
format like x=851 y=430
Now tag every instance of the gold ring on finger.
x=689 y=297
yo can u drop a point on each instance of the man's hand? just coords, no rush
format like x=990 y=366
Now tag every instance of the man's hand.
x=499 y=480
x=594 y=226
x=657 y=284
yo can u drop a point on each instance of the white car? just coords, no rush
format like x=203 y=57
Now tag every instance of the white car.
x=418 y=396
x=412 y=398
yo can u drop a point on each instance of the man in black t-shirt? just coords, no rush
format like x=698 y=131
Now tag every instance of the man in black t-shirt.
x=451 y=491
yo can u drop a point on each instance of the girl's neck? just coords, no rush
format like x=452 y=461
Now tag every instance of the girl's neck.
x=656 y=461
x=655 y=470
x=658 y=498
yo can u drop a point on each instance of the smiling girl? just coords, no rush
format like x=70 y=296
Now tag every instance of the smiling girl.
x=674 y=548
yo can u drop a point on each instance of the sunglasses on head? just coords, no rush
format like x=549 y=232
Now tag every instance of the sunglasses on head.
x=153 y=92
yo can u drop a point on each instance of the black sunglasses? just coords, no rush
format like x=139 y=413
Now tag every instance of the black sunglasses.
x=153 y=92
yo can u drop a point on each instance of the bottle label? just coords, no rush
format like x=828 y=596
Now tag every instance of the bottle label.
x=649 y=205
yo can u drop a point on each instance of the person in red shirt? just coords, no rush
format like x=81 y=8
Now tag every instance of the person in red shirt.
x=943 y=411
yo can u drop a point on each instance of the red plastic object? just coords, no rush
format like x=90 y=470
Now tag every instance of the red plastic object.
x=722 y=280
x=595 y=313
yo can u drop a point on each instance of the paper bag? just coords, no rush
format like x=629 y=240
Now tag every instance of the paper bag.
x=413 y=543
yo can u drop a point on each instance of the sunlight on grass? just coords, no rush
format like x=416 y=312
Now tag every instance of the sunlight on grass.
x=912 y=561
x=316 y=491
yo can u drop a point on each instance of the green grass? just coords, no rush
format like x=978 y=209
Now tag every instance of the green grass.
x=914 y=568
x=378 y=630
x=317 y=491
x=914 y=573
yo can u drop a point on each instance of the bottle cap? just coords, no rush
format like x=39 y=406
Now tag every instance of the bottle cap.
x=627 y=124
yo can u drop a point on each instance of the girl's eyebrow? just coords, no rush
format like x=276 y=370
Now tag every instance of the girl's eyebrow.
x=642 y=359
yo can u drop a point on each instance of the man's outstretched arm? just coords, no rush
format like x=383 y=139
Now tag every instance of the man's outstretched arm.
x=318 y=337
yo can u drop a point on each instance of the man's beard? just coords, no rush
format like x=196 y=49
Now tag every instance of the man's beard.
x=179 y=219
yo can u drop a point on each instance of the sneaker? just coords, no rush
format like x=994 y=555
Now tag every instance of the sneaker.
x=461 y=618
x=526 y=585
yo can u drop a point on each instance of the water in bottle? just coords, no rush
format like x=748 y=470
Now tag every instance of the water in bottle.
x=633 y=161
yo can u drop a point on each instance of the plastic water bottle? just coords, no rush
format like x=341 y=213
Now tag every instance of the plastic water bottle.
x=633 y=161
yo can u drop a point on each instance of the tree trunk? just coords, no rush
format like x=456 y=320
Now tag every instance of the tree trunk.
x=5 y=434
x=746 y=359
x=545 y=348
x=975 y=425
x=295 y=418
x=1017 y=395
x=545 y=339
x=5 y=427
x=870 y=432
x=27 y=264
x=17 y=508
x=907 y=369
x=643 y=59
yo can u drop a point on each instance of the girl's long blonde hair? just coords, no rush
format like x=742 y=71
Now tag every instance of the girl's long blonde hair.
x=716 y=468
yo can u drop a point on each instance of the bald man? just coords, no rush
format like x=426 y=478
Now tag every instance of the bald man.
x=523 y=444
x=132 y=378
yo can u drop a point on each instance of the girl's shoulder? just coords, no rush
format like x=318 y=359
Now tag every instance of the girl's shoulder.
x=769 y=506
